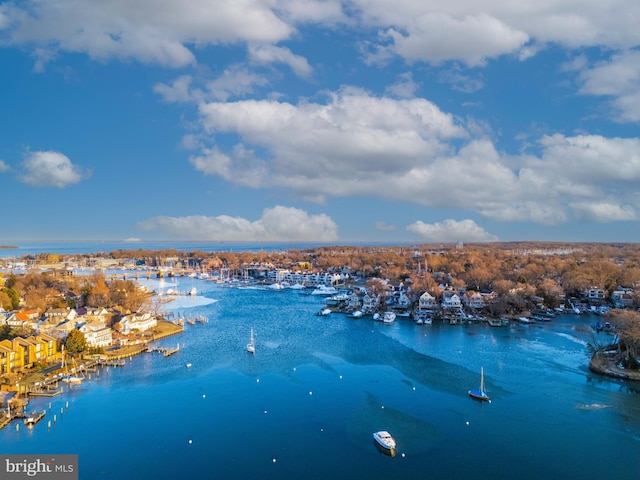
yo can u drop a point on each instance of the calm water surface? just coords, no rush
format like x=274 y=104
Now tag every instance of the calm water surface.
x=306 y=405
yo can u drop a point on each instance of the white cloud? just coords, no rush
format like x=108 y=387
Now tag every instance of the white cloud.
x=4 y=167
x=235 y=81
x=451 y=231
x=177 y=92
x=145 y=30
x=276 y=224
x=438 y=37
x=619 y=79
x=404 y=87
x=267 y=54
x=410 y=151
x=49 y=169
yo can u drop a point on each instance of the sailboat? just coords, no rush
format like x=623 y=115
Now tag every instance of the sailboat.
x=251 y=346
x=480 y=394
x=70 y=379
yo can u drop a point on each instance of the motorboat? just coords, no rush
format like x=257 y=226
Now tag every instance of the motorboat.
x=324 y=312
x=324 y=290
x=385 y=440
x=388 y=317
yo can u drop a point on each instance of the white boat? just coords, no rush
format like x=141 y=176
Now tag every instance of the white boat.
x=388 y=317
x=324 y=312
x=385 y=440
x=193 y=292
x=276 y=286
x=480 y=394
x=189 y=365
x=324 y=290
x=297 y=286
x=251 y=346
x=357 y=314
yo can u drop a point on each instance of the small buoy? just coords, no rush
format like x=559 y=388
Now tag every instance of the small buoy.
x=274 y=460
x=340 y=377
x=403 y=455
x=257 y=380
x=467 y=423
x=17 y=428
x=61 y=410
x=49 y=405
x=49 y=424
x=67 y=405
x=265 y=411
x=310 y=393
x=204 y=396
x=294 y=369
x=190 y=442
x=382 y=406
x=322 y=429
x=414 y=388
x=55 y=419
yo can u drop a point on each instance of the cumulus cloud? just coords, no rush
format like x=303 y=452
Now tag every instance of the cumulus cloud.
x=436 y=31
x=268 y=54
x=276 y=224
x=409 y=150
x=618 y=79
x=451 y=231
x=404 y=87
x=438 y=37
x=145 y=30
x=4 y=167
x=50 y=169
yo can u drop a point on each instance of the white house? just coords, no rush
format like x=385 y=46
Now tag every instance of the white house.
x=98 y=337
x=450 y=299
x=141 y=323
x=473 y=299
x=426 y=301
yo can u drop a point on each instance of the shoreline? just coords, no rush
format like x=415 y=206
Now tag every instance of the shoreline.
x=608 y=366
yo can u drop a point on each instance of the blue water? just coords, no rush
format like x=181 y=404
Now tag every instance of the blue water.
x=306 y=404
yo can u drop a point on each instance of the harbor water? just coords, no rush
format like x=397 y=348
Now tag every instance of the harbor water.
x=306 y=404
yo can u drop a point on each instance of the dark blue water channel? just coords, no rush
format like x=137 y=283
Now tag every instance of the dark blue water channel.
x=306 y=404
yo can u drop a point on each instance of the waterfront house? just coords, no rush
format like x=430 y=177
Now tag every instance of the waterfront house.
x=473 y=299
x=369 y=303
x=62 y=329
x=427 y=301
x=622 y=297
x=8 y=358
x=141 y=323
x=49 y=346
x=29 y=350
x=59 y=315
x=594 y=293
x=451 y=300
x=97 y=336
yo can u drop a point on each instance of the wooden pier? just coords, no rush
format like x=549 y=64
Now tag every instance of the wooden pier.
x=32 y=418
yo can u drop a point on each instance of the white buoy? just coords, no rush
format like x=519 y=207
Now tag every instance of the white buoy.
x=67 y=405
x=274 y=460
x=55 y=419
x=265 y=412
x=403 y=455
x=340 y=377
x=467 y=423
x=310 y=393
x=49 y=424
x=257 y=380
x=190 y=442
x=382 y=406
x=204 y=396
x=17 y=428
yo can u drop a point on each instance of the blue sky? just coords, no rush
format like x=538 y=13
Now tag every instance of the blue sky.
x=320 y=120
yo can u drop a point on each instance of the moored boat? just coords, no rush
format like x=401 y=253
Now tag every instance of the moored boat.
x=385 y=440
x=480 y=393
